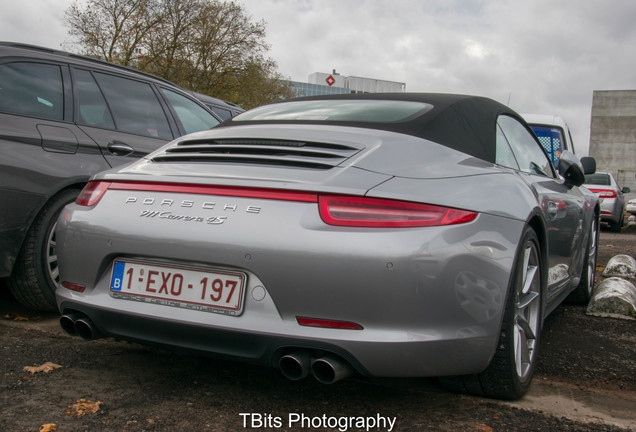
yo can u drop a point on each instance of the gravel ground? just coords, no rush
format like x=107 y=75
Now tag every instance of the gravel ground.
x=585 y=381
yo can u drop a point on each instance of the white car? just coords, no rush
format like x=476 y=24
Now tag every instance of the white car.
x=631 y=206
x=610 y=196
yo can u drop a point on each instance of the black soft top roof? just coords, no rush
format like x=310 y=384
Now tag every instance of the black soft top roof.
x=461 y=122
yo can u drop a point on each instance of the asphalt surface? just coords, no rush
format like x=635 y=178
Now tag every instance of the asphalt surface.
x=585 y=381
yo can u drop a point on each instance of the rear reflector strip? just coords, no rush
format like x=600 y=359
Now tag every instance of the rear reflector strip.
x=74 y=286
x=315 y=322
x=218 y=190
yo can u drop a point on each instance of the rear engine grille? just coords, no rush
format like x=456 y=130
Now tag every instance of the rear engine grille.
x=300 y=154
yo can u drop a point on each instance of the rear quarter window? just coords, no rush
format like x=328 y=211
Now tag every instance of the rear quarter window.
x=32 y=89
x=135 y=107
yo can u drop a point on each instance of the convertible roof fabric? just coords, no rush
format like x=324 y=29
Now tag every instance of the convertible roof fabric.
x=461 y=122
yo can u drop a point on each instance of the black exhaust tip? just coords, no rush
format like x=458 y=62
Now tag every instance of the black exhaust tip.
x=67 y=322
x=295 y=366
x=86 y=329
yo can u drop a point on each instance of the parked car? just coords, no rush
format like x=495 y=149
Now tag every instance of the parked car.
x=221 y=108
x=631 y=206
x=553 y=133
x=63 y=118
x=610 y=196
x=387 y=234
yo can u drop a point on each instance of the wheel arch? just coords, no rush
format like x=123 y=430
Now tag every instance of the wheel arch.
x=78 y=185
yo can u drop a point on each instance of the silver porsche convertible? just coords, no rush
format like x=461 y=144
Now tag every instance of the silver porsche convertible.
x=389 y=235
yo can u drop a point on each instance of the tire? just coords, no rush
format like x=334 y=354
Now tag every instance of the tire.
x=511 y=370
x=617 y=226
x=35 y=275
x=583 y=292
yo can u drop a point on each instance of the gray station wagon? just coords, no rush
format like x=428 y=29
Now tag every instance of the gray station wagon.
x=64 y=118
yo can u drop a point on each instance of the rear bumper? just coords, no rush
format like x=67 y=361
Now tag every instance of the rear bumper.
x=423 y=296
x=414 y=356
x=610 y=210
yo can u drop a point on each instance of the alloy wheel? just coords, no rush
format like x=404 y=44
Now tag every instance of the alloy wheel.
x=51 y=257
x=527 y=313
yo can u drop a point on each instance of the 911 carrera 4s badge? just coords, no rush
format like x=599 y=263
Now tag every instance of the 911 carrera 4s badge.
x=211 y=220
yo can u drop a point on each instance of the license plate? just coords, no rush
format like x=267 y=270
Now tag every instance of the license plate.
x=213 y=291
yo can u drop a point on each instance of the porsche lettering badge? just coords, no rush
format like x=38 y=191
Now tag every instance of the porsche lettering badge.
x=151 y=204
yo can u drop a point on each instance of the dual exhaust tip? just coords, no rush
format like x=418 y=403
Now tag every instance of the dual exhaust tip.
x=327 y=369
x=77 y=324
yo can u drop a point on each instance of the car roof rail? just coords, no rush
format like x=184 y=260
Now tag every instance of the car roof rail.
x=86 y=58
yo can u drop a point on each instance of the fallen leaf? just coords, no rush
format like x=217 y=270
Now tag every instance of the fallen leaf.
x=50 y=427
x=46 y=368
x=82 y=407
x=483 y=428
x=15 y=317
x=609 y=246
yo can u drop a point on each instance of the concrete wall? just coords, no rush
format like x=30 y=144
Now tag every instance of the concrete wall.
x=613 y=135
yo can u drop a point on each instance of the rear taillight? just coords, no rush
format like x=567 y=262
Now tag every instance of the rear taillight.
x=340 y=210
x=381 y=213
x=604 y=193
x=92 y=193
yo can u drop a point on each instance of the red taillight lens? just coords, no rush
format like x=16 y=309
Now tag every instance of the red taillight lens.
x=92 y=193
x=73 y=286
x=381 y=213
x=604 y=193
x=315 y=322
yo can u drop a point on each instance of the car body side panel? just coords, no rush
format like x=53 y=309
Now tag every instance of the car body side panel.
x=424 y=292
x=18 y=208
x=34 y=165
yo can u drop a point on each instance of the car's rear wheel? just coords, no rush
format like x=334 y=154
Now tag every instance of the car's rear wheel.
x=510 y=372
x=35 y=275
x=583 y=292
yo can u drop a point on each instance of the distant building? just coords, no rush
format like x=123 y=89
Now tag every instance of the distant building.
x=320 y=83
x=613 y=135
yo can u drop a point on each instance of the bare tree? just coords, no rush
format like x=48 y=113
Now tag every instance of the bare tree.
x=209 y=46
x=114 y=30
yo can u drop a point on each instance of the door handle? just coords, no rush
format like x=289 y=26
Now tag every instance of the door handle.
x=119 y=148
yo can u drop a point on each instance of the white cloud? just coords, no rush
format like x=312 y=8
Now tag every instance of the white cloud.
x=542 y=56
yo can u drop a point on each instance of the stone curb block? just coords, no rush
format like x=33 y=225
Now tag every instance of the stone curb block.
x=616 y=296
x=623 y=266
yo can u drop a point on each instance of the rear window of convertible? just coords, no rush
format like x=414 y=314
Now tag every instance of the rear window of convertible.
x=371 y=111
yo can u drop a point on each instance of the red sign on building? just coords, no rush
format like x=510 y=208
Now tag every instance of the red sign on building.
x=330 y=80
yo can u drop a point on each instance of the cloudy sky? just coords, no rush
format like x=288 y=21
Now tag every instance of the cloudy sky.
x=540 y=56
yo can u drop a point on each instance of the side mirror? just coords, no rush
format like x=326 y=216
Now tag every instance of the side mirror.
x=571 y=169
x=626 y=190
x=589 y=165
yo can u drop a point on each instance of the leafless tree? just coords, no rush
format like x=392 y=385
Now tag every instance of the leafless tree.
x=209 y=46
